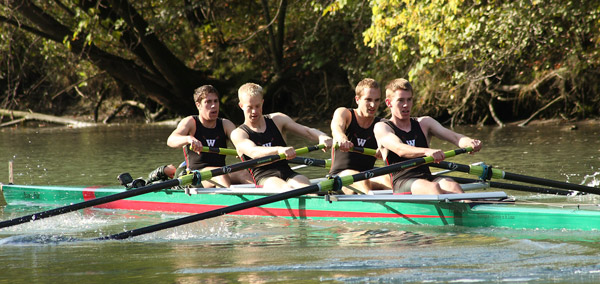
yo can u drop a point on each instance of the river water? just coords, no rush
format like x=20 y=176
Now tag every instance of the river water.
x=256 y=250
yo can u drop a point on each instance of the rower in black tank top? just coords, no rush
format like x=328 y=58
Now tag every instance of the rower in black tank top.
x=415 y=137
x=269 y=138
x=361 y=137
x=211 y=137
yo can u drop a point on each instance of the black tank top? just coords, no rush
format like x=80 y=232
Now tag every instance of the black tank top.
x=211 y=137
x=415 y=137
x=271 y=137
x=361 y=137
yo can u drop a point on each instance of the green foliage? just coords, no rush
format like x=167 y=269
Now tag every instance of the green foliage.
x=459 y=55
x=456 y=51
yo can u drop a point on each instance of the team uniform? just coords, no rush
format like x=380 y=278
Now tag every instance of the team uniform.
x=402 y=180
x=362 y=137
x=212 y=137
x=269 y=138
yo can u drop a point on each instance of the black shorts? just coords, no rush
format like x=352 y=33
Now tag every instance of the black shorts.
x=403 y=186
x=284 y=174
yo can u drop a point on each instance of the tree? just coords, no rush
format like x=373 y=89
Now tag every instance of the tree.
x=468 y=56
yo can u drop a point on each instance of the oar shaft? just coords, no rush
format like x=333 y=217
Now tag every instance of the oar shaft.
x=213 y=213
x=321 y=186
x=194 y=177
x=347 y=180
x=362 y=150
x=220 y=151
x=311 y=162
x=516 y=187
x=496 y=173
x=92 y=202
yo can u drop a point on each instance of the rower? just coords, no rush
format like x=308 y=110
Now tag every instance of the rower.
x=354 y=127
x=403 y=137
x=262 y=135
x=204 y=129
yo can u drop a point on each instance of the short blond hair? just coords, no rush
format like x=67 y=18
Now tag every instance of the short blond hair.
x=395 y=85
x=251 y=90
x=201 y=92
x=364 y=84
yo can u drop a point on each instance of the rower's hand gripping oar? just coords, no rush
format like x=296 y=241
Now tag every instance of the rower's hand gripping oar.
x=485 y=172
x=324 y=186
x=193 y=178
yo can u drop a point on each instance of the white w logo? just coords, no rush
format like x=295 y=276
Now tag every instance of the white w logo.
x=210 y=142
x=267 y=144
x=361 y=142
x=411 y=142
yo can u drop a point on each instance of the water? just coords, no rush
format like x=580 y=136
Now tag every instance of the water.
x=257 y=250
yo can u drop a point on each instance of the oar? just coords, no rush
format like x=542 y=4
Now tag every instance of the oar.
x=298 y=160
x=220 y=151
x=324 y=186
x=312 y=162
x=362 y=150
x=517 y=187
x=487 y=172
x=192 y=178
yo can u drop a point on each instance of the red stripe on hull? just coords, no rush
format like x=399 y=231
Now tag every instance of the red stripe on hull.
x=89 y=193
x=255 y=211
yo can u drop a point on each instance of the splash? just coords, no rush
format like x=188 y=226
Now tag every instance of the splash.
x=592 y=180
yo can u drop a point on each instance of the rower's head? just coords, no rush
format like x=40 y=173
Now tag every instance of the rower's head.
x=368 y=97
x=251 y=100
x=207 y=101
x=399 y=97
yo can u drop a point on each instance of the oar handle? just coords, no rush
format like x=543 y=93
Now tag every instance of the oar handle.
x=220 y=151
x=338 y=182
x=362 y=150
x=198 y=176
x=233 y=152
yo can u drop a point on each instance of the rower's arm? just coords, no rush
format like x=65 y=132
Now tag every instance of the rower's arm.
x=184 y=135
x=434 y=128
x=245 y=146
x=388 y=141
x=286 y=124
x=339 y=123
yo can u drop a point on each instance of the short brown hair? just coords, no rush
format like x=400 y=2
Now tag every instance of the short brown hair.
x=363 y=84
x=250 y=89
x=395 y=85
x=201 y=92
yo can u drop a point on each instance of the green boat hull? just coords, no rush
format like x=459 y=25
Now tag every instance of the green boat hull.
x=409 y=212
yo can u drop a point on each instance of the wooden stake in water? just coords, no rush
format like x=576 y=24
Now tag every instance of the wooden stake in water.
x=11 y=179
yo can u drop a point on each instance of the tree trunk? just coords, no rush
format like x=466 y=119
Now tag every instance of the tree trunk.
x=167 y=80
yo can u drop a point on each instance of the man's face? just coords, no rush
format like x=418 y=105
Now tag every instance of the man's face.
x=208 y=108
x=369 y=102
x=252 y=107
x=400 y=103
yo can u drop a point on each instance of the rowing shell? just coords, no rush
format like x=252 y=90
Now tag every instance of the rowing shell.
x=484 y=209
